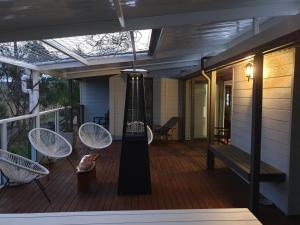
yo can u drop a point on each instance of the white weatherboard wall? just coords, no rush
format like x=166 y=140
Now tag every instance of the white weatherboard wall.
x=165 y=101
x=241 y=108
x=276 y=119
x=276 y=122
x=94 y=97
x=156 y=101
x=117 y=92
x=200 y=110
x=188 y=109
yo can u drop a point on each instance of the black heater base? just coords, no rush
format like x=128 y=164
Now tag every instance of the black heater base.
x=134 y=174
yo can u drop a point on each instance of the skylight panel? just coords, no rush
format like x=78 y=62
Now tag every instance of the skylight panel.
x=110 y=44
x=34 y=52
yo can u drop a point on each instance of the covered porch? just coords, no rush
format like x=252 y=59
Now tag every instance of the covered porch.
x=226 y=72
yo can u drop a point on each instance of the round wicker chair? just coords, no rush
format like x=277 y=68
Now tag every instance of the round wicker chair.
x=20 y=170
x=49 y=143
x=94 y=136
x=138 y=126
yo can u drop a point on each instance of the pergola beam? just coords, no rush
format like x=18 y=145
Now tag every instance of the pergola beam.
x=120 y=13
x=17 y=62
x=95 y=61
x=133 y=46
x=281 y=29
x=116 y=70
x=66 y=51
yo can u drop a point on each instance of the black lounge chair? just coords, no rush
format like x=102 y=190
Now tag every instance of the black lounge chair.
x=162 y=132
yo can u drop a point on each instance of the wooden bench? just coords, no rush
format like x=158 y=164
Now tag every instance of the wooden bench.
x=239 y=161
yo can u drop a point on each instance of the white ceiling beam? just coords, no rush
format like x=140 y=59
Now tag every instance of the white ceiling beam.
x=198 y=50
x=54 y=73
x=66 y=51
x=146 y=65
x=120 y=12
x=102 y=60
x=159 y=42
x=248 y=33
x=133 y=46
x=285 y=27
x=17 y=62
x=170 y=72
x=93 y=73
x=236 y=11
x=255 y=26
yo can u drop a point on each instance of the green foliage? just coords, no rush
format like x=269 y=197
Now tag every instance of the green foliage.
x=20 y=150
x=11 y=90
x=55 y=92
x=3 y=111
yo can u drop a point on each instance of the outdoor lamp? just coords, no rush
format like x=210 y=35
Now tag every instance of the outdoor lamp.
x=249 y=71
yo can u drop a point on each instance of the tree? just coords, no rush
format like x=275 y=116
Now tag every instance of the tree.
x=11 y=88
x=105 y=44
x=55 y=92
x=3 y=111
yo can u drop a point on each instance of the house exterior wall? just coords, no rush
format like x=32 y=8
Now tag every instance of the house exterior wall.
x=94 y=96
x=117 y=94
x=294 y=181
x=156 y=101
x=276 y=119
x=241 y=108
x=200 y=110
x=188 y=112
x=165 y=102
x=276 y=122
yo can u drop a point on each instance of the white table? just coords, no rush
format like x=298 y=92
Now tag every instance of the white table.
x=149 y=217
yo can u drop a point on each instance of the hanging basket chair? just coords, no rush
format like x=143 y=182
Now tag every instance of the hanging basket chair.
x=49 y=143
x=20 y=170
x=94 y=136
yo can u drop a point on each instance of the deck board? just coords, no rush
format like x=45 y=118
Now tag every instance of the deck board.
x=179 y=181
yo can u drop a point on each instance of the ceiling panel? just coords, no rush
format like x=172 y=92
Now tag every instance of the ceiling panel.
x=203 y=39
x=32 y=13
x=42 y=19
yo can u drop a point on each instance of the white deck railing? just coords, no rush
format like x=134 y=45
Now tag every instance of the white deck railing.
x=36 y=116
x=4 y=122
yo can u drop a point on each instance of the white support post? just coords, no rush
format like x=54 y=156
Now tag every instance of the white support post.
x=57 y=121
x=4 y=136
x=34 y=105
x=255 y=25
x=3 y=144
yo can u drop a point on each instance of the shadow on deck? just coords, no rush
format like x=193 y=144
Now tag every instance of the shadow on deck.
x=179 y=181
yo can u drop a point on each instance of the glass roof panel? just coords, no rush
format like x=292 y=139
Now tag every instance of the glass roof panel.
x=109 y=44
x=34 y=52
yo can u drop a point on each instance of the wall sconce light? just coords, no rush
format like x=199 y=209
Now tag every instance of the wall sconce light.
x=249 y=71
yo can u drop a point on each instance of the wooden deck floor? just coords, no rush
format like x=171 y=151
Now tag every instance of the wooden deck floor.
x=179 y=181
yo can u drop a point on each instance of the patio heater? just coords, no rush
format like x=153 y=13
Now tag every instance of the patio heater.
x=134 y=172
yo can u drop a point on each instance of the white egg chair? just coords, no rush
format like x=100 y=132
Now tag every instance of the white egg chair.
x=50 y=144
x=20 y=170
x=94 y=136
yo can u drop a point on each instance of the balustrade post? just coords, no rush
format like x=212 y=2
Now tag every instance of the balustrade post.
x=4 y=136
x=56 y=123
x=3 y=144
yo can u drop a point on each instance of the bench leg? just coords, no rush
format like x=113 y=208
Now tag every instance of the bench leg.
x=210 y=163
